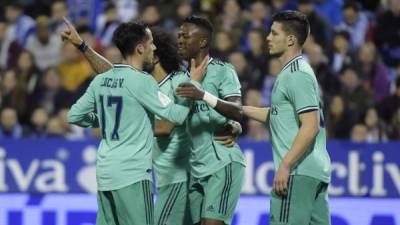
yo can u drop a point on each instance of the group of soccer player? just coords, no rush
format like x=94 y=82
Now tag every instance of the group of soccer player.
x=193 y=114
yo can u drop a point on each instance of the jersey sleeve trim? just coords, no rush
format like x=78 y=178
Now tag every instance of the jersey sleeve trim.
x=307 y=109
x=163 y=81
x=232 y=95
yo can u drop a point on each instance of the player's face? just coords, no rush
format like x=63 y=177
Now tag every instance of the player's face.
x=277 y=40
x=149 y=49
x=189 y=39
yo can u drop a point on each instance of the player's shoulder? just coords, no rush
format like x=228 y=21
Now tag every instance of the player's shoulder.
x=218 y=63
x=298 y=66
x=221 y=66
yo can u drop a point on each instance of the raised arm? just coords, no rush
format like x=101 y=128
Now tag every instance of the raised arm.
x=98 y=62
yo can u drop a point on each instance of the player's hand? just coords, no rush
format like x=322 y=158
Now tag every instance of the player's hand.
x=70 y=34
x=227 y=141
x=235 y=128
x=281 y=179
x=197 y=73
x=189 y=90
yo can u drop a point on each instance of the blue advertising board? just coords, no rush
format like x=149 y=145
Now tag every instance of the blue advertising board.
x=52 y=182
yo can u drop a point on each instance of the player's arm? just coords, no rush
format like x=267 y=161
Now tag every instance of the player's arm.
x=256 y=113
x=97 y=62
x=82 y=113
x=163 y=128
x=147 y=93
x=229 y=107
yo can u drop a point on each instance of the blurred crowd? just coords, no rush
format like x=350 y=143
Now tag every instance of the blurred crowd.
x=354 y=49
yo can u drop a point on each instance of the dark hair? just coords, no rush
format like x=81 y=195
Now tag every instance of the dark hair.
x=128 y=35
x=398 y=82
x=342 y=33
x=351 y=4
x=202 y=23
x=84 y=28
x=167 y=51
x=295 y=23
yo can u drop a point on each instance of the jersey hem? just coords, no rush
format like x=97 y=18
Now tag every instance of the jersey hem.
x=122 y=185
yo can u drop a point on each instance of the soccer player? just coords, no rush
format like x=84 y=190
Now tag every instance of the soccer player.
x=171 y=151
x=123 y=101
x=217 y=172
x=297 y=128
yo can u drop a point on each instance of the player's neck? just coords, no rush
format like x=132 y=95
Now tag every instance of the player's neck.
x=199 y=58
x=289 y=55
x=134 y=62
x=159 y=73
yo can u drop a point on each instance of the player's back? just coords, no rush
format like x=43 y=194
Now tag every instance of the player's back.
x=124 y=155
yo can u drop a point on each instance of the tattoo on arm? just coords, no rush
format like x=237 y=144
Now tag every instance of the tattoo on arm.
x=97 y=62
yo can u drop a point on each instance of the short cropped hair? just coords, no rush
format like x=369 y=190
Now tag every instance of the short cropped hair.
x=128 y=35
x=294 y=23
x=202 y=23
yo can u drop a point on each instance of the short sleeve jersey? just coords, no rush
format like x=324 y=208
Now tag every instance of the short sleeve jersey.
x=208 y=156
x=296 y=91
x=171 y=153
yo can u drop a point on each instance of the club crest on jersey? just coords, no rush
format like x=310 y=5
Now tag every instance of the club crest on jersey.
x=164 y=99
x=274 y=110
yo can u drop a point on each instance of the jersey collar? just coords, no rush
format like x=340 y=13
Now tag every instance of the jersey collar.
x=290 y=61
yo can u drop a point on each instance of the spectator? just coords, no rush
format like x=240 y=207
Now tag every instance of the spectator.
x=357 y=98
x=359 y=133
x=243 y=71
x=394 y=127
x=330 y=9
x=373 y=73
x=341 y=54
x=107 y=22
x=319 y=27
x=44 y=45
x=73 y=68
x=376 y=130
x=387 y=33
x=231 y=21
x=88 y=36
x=327 y=80
x=390 y=105
x=151 y=15
x=339 y=120
x=58 y=11
x=9 y=127
x=274 y=67
x=20 y=25
x=223 y=46
x=260 y=17
x=255 y=55
x=355 y=22
x=3 y=44
x=256 y=131
x=113 y=55
x=54 y=128
x=8 y=87
x=51 y=95
x=253 y=98
x=71 y=132
x=182 y=10
x=39 y=119
x=27 y=72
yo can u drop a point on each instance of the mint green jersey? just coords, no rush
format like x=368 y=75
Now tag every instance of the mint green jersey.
x=296 y=91
x=125 y=101
x=208 y=156
x=171 y=153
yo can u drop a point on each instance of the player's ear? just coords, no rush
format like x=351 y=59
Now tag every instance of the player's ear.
x=203 y=43
x=140 y=49
x=156 y=60
x=291 y=40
